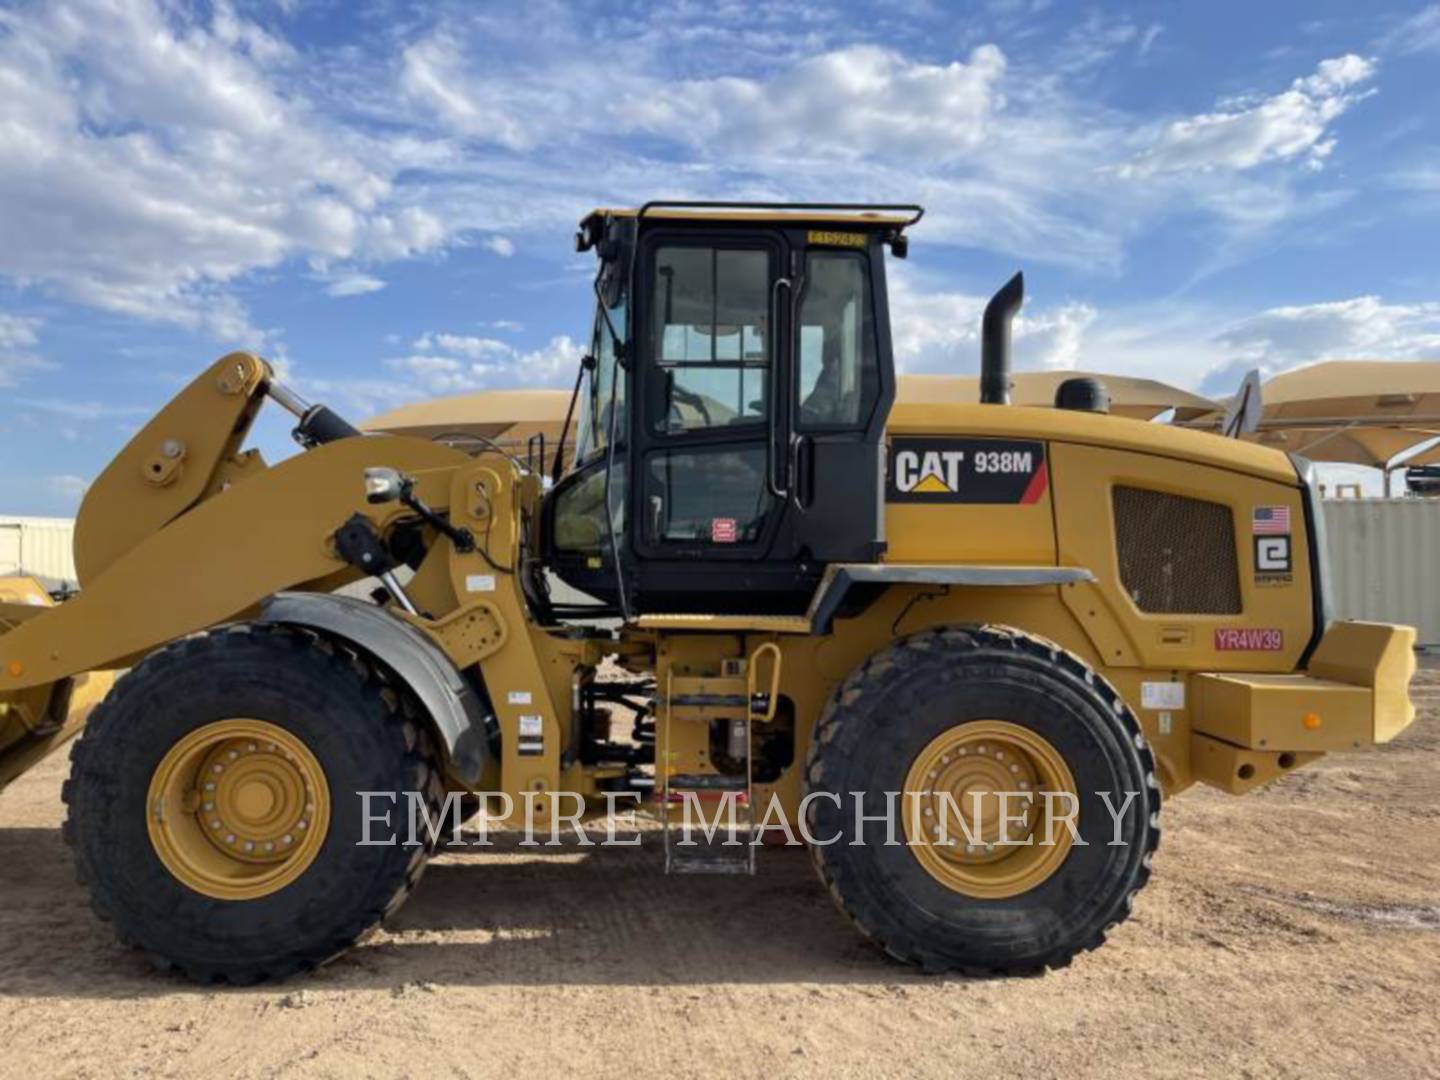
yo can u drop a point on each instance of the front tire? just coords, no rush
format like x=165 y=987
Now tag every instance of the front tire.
x=970 y=712
x=214 y=811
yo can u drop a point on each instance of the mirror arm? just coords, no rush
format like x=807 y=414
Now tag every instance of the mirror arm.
x=587 y=363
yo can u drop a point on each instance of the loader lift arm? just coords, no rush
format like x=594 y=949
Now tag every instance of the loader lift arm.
x=185 y=530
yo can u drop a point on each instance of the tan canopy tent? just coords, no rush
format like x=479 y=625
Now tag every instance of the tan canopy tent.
x=508 y=418
x=512 y=417
x=1137 y=398
x=1426 y=457
x=1363 y=412
x=1369 y=392
x=1358 y=412
x=1372 y=446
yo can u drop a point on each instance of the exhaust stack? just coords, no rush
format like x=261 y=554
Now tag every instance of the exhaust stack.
x=995 y=341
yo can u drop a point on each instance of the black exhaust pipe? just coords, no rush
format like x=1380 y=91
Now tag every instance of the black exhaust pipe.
x=995 y=341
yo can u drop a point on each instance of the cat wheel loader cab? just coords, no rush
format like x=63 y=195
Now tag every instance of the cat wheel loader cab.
x=734 y=412
x=959 y=651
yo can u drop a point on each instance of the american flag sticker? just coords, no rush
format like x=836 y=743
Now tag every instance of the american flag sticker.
x=1270 y=520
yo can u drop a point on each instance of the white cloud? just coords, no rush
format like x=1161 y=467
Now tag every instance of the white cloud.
x=354 y=285
x=436 y=72
x=154 y=156
x=860 y=100
x=1417 y=34
x=438 y=374
x=1189 y=345
x=13 y=366
x=473 y=347
x=80 y=409
x=1056 y=337
x=18 y=335
x=1421 y=179
x=1291 y=125
x=1009 y=154
x=1361 y=328
x=18 y=331
x=455 y=363
x=1099 y=39
x=939 y=331
x=500 y=245
x=67 y=486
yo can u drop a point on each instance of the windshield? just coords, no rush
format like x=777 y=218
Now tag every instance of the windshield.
x=603 y=390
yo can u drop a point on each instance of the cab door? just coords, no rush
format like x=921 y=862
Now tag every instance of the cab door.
x=841 y=384
x=764 y=380
x=711 y=326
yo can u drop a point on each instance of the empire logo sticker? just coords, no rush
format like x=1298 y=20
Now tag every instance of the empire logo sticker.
x=966 y=471
x=1248 y=639
x=1272 y=560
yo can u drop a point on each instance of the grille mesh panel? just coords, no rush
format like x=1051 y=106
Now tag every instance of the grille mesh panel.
x=1177 y=555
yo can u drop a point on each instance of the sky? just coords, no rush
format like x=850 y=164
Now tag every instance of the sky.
x=381 y=197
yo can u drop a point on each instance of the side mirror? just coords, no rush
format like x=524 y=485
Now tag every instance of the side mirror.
x=383 y=485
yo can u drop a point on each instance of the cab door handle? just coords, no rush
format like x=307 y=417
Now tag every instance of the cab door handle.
x=777 y=456
x=802 y=475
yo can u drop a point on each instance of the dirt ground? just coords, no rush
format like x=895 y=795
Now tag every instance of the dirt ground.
x=1295 y=932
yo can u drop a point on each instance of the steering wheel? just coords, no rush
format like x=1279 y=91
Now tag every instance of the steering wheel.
x=680 y=395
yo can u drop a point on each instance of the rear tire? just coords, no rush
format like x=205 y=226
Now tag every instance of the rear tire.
x=338 y=714
x=911 y=697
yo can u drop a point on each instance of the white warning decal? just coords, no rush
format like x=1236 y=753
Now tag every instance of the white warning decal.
x=1162 y=695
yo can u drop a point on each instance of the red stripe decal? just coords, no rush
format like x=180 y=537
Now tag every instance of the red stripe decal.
x=1036 y=487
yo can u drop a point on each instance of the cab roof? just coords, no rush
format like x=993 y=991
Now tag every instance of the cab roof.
x=889 y=218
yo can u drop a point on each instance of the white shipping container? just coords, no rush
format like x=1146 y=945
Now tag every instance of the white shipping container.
x=1385 y=562
x=39 y=546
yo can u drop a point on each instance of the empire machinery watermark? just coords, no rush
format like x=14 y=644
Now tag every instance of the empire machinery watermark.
x=984 y=821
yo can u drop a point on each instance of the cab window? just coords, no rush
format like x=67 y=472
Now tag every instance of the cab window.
x=710 y=336
x=580 y=521
x=838 y=369
x=708 y=495
x=604 y=391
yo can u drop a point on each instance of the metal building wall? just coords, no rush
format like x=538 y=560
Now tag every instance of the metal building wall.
x=1385 y=561
x=40 y=546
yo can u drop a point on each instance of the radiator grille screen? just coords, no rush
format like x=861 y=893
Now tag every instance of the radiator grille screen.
x=1177 y=555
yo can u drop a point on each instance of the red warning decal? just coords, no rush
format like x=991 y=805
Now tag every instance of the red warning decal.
x=723 y=531
x=1036 y=487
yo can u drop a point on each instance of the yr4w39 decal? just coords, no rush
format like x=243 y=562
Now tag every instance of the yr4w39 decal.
x=935 y=470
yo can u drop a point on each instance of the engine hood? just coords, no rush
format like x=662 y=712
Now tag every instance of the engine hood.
x=1092 y=429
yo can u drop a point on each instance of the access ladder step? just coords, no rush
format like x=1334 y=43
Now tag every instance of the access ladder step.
x=728 y=851
x=711 y=701
x=686 y=865
x=707 y=782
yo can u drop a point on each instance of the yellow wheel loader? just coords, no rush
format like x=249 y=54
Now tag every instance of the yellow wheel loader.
x=960 y=651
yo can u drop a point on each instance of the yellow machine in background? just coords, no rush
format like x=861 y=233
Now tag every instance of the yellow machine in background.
x=865 y=619
x=37 y=722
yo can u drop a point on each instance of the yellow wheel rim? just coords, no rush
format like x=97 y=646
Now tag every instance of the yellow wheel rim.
x=1004 y=846
x=238 y=809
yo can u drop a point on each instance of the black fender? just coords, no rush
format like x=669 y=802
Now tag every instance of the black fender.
x=457 y=712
